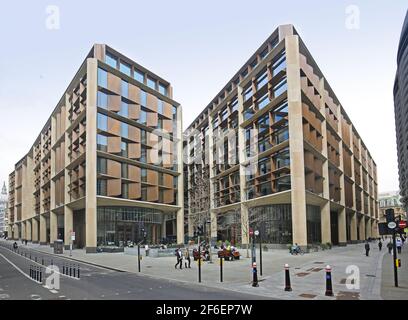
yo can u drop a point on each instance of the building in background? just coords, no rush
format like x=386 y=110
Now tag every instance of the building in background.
x=276 y=151
x=401 y=112
x=391 y=200
x=105 y=164
x=3 y=210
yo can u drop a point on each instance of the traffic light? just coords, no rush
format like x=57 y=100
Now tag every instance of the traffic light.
x=389 y=215
x=200 y=231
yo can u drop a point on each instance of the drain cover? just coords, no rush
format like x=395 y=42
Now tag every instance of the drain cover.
x=370 y=275
x=302 y=274
x=307 y=295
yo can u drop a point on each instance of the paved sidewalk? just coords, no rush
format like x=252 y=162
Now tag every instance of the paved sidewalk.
x=307 y=271
x=388 y=290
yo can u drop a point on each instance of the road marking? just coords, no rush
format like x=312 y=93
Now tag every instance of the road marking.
x=35 y=297
x=54 y=291
x=17 y=268
x=4 y=296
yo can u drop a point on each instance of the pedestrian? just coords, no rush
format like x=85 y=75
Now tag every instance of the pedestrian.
x=15 y=246
x=367 y=248
x=147 y=249
x=380 y=245
x=389 y=247
x=187 y=258
x=179 y=259
x=25 y=241
x=399 y=244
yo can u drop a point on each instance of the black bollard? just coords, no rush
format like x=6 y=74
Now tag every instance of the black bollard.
x=70 y=270
x=221 y=265
x=78 y=270
x=255 y=275
x=40 y=274
x=52 y=262
x=42 y=261
x=35 y=258
x=31 y=271
x=287 y=278
x=30 y=256
x=63 y=268
x=329 y=288
x=74 y=272
x=138 y=257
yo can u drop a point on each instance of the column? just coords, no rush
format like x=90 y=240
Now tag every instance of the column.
x=91 y=129
x=342 y=227
x=53 y=228
x=34 y=224
x=362 y=229
x=353 y=229
x=296 y=149
x=16 y=232
x=43 y=230
x=68 y=226
x=180 y=180
x=163 y=227
x=23 y=230
x=28 y=230
x=368 y=230
x=213 y=218
x=325 y=222
x=244 y=226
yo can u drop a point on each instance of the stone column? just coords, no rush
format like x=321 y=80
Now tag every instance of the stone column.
x=91 y=130
x=23 y=230
x=28 y=230
x=43 y=230
x=353 y=229
x=34 y=224
x=68 y=226
x=296 y=149
x=180 y=180
x=362 y=229
x=325 y=222
x=342 y=227
x=53 y=228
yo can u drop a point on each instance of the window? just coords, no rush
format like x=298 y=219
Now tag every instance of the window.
x=102 y=142
x=111 y=60
x=124 y=110
x=102 y=100
x=263 y=54
x=215 y=123
x=143 y=174
x=174 y=113
x=248 y=92
x=144 y=193
x=280 y=88
x=124 y=149
x=151 y=83
x=101 y=165
x=143 y=98
x=281 y=112
x=124 y=130
x=234 y=105
x=138 y=75
x=125 y=68
x=263 y=123
x=125 y=89
x=143 y=117
x=143 y=154
x=160 y=105
x=102 y=122
x=279 y=64
x=262 y=80
x=101 y=187
x=282 y=159
x=263 y=102
x=124 y=169
x=162 y=89
x=224 y=114
x=102 y=78
x=248 y=113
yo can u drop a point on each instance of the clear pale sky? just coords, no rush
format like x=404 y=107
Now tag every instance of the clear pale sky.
x=197 y=46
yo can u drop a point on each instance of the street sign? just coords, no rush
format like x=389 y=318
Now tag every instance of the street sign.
x=402 y=224
x=73 y=236
x=392 y=225
x=256 y=232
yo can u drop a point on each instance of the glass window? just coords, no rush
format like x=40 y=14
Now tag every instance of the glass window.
x=263 y=102
x=124 y=129
x=138 y=75
x=124 y=149
x=162 y=89
x=143 y=154
x=102 y=142
x=124 y=110
x=224 y=114
x=101 y=165
x=102 y=78
x=248 y=113
x=263 y=54
x=280 y=88
x=160 y=105
x=102 y=100
x=281 y=112
x=125 y=89
x=248 y=92
x=234 y=105
x=111 y=60
x=143 y=174
x=263 y=123
x=143 y=117
x=102 y=122
x=101 y=187
x=174 y=113
x=143 y=98
x=125 y=68
x=279 y=64
x=262 y=80
x=151 y=83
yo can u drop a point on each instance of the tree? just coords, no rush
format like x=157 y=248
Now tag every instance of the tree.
x=252 y=220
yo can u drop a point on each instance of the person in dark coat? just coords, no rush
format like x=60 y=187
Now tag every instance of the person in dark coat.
x=367 y=248
x=179 y=259
x=379 y=245
x=389 y=246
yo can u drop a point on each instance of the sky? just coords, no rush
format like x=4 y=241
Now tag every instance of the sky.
x=198 y=46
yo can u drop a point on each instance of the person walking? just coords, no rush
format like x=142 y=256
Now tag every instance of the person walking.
x=380 y=245
x=399 y=244
x=367 y=248
x=179 y=259
x=389 y=247
x=187 y=258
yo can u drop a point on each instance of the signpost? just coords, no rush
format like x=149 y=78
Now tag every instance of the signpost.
x=393 y=225
x=71 y=242
x=402 y=224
